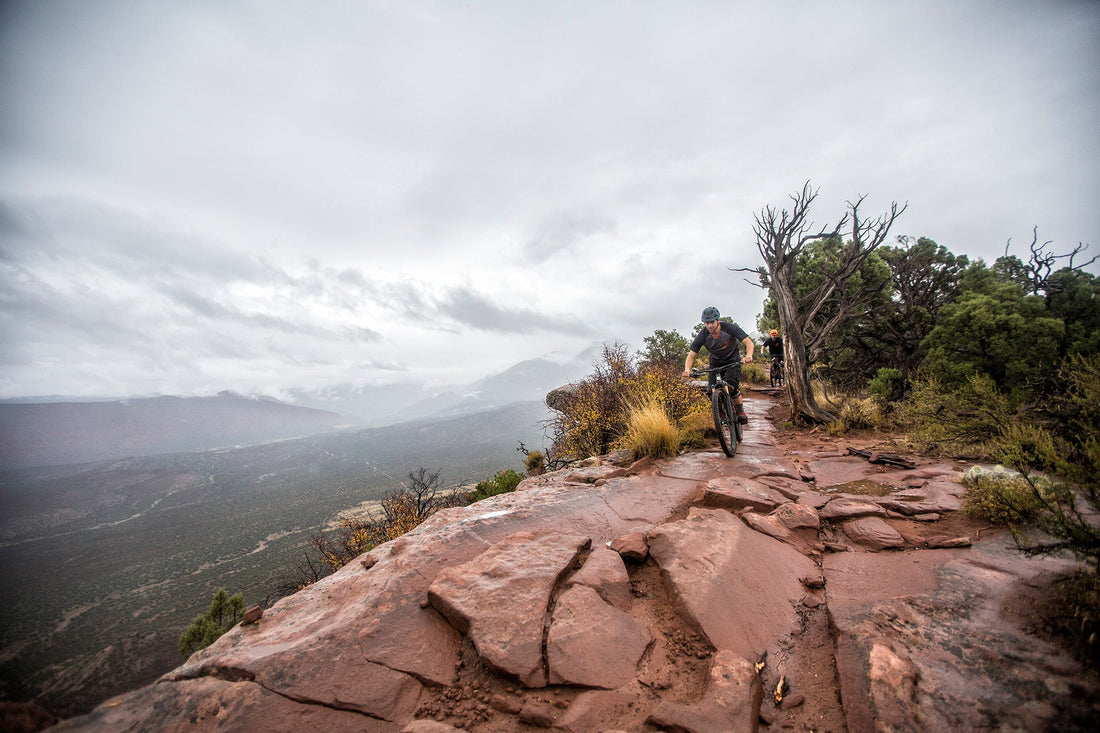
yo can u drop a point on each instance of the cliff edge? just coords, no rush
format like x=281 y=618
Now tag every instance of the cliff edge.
x=778 y=589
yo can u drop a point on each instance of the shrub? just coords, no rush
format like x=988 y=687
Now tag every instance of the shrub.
x=753 y=373
x=503 y=482
x=888 y=386
x=592 y=417
x=224 y=612
x=999 y=496
x=650 y=431
x=855 y=413
x=534 y=462
x=965 y=420
x=395 y=515
x=1067 y=449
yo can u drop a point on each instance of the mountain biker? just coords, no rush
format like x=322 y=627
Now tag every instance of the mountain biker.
x=774 y=345
x=721 y=339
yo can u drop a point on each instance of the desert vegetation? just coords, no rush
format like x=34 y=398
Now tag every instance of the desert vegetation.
x=596 y=415
x=224 y=612
x=997 y=363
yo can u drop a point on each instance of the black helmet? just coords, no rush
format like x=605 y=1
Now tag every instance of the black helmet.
x=710 y=314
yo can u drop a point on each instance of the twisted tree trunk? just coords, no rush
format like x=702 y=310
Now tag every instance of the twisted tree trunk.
x=780 y=238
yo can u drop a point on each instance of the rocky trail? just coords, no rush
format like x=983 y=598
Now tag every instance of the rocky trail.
x=792 y=587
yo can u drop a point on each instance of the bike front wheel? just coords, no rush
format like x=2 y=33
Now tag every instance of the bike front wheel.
x=725 y=422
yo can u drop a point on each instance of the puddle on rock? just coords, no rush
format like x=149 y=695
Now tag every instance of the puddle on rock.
x=862 y=487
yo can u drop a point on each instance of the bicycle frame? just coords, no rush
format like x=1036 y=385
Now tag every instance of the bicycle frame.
x=729 y=429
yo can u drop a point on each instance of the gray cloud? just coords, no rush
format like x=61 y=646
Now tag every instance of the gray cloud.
x=473 y=309
x=235 y=196
x=558 y=235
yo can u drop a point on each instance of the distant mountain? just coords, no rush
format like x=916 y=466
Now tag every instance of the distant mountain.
x=526 y=381
x=42 y=431
x=59 y=433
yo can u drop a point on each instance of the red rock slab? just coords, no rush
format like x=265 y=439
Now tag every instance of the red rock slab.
x=814 y=500
x=934 y=497
x=604 y=711
x=795 y=524
x=788 y=487
x=736 y=585
x=592 y=643
x=501 y=597
x=630 y=547
x=838 y=471
x=843 y=507
x=873 y=532
x=739 y=493
x=327 y=620
x=209 y=704
x=923 y=644
x=605 y=573
x=797 y=516
x=730 y=704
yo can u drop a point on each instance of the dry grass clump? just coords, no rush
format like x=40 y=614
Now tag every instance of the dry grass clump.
x=753 y=373
x=650 y=431
x=856 y=413
x=694 y=429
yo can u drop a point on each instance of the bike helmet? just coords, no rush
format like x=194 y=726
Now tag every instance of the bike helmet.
x=710 y=314
x=773 y=332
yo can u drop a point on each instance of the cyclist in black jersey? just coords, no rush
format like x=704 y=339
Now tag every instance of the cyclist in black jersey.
x=722 y=340
x=774 y=344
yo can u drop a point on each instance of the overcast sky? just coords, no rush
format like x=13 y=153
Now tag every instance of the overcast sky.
x=198 y=196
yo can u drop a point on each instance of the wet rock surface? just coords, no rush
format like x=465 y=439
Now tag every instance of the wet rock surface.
x=791 y=587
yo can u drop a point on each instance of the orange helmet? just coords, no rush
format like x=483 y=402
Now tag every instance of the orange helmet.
x=773 y=332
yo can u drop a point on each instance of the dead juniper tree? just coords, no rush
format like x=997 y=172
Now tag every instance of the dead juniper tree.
x=807 y=319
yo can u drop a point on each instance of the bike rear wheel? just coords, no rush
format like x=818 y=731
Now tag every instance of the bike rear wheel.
x=724 y=420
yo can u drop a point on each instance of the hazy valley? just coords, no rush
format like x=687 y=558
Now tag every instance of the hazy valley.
x=105 y=563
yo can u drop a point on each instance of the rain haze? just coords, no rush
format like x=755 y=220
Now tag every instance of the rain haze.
x=266 y=196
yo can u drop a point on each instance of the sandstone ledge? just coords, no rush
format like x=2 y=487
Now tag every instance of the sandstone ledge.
x=513 y=613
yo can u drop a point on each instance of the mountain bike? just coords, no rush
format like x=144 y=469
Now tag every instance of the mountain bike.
x=776 y=371
x=730 y=431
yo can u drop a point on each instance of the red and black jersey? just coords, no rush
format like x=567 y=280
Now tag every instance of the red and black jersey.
x=725 y=348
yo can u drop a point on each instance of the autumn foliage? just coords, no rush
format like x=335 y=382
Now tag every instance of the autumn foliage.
x=594 y=415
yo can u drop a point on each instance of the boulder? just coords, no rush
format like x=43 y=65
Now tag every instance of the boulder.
x=524 y=569
x=715 y=565
x=846 y=507
x=631 y=547
x=558 y=398
x=796 y=526
x=592 y=643
x=797 y=516
x=934 y=497
x=873 y=532
x=605 y=573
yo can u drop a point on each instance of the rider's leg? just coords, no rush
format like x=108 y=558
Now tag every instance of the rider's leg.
x=733 y=376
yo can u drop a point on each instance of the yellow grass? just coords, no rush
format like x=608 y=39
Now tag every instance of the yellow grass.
x=650 y=431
